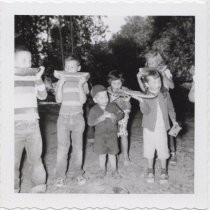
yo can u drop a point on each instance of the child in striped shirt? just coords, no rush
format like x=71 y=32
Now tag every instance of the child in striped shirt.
x=72 y=96
x=27 y=131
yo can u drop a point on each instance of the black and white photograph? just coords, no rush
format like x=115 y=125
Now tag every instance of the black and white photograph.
x=104 y=105
x=105 y=86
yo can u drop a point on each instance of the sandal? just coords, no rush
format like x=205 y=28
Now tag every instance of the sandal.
x=81 y=180
x=164 y=177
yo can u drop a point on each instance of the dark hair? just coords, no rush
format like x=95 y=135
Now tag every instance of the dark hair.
x=20 y=48
x=155 y=74
x=73 y=58
x=115 y=75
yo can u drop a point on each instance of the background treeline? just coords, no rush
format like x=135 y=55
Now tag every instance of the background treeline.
x=51 y=38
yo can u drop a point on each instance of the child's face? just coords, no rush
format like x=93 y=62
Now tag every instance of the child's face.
x=101 y=98
x=72 y=66
x=23 y=59
x=116 y=84
x=154 y=84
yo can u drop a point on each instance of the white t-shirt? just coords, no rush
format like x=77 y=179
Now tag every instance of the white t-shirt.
x=159 y=122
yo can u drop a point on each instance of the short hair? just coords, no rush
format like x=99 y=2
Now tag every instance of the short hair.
x=115 y=75
x=21 y=48
x=155 y=74
x=151 y=73
x=72 y=58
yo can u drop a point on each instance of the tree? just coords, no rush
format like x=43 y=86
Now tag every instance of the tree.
x=51 y=38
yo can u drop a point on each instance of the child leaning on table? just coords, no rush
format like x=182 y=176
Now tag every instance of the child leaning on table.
x=155 y=124
x=105 y=116
x=27 y=131
x=72 y=96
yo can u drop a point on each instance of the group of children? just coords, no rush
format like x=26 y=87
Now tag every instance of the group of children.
x=109 y=116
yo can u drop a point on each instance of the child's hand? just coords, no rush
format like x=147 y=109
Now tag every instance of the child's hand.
x=175 y=123
x=113 y=118
x=82 y=81
x=139 y=75
x=102 y=118
x=62 y=80
x=40 y=73
x=107 y=114
x=127 y=98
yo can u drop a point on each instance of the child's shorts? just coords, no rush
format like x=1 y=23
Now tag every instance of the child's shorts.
x=155 y=140
x=122 y=125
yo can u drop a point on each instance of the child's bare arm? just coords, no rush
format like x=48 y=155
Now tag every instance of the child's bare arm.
x=141 y=85
x=41 y=92
x=117 y=114
x=59 y=90
x=191 y=94
x=83 y=90
x=167 y=82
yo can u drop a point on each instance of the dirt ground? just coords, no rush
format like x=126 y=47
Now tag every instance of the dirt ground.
x=181 y=176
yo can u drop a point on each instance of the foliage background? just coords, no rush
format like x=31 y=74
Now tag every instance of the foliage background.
x=51 y=38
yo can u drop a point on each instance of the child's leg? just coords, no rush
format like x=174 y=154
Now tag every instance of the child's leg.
x=20 y=136
x=150 y=162
x=172 y=144
x=34 y=150
x=163 y=163
x=124 y=146
x=164 y=173
x=113 y=162
x=77 y=143
x=63 y=144
x=102 y=162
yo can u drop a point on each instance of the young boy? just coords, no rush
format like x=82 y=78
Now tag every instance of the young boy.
x=155 y=60
x=27 y=131
x=105 y=116
x=72 y=96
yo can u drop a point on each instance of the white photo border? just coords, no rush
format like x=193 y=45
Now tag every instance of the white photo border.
x=198 y=200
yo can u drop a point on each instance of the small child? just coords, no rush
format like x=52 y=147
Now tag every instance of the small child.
x=155 y=60
x=27 y=131
x=72 y=96
x=116 y=80
x=105 y=116
x=156 y=123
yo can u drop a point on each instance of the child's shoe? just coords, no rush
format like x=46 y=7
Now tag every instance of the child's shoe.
x=39 y=188
x=81 y=180
x=17 y=190
x=173 y=159
x=163 y=177
x=59 y=182
x=150 y=177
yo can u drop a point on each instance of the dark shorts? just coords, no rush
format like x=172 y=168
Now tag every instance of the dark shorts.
x=106 y=145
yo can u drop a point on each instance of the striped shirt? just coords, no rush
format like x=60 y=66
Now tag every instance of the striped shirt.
x=71 y=103
x=27 y=90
